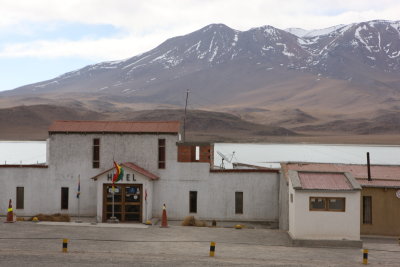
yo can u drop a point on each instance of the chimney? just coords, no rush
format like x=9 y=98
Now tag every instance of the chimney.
x=369 y=168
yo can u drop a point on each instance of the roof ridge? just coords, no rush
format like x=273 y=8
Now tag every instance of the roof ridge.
x=65 y=126
x=79 y=121
x=333 y=163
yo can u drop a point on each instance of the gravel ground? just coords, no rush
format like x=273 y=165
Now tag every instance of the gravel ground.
x=30 y=244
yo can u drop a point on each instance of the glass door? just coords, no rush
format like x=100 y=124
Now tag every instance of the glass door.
x=117 y=202
x=132 y=207
x=127 y=202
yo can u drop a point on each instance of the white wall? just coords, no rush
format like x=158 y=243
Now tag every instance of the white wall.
x=70 y=156
x=329 y=225
x=216 y=193
x=38 y=193
x=283 y=203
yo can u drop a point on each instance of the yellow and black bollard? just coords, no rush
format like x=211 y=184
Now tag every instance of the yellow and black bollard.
x=65 y=245
x=365 y=256
x=212 y=249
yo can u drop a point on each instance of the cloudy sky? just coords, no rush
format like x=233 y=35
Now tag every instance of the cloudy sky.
x=40 y=39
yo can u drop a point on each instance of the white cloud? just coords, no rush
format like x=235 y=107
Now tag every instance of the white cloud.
x=101 y=49
x=144 y=16
x=150 y=22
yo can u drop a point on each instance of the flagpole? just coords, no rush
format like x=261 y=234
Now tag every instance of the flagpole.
x=145 y=202
x=79 y=210
x=113 y=219
x=79 y=199
x=113 y=193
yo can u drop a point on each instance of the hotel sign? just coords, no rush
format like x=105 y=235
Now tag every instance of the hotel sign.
x=127 y=177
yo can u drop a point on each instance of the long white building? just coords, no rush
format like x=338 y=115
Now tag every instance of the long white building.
x=158 y=169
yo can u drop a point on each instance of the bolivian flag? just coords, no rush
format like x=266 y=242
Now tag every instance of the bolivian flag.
x=119 y=173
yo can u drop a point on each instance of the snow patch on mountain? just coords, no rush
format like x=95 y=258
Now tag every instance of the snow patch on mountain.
x=313 y=33
x=360 y=38
x=297 y=31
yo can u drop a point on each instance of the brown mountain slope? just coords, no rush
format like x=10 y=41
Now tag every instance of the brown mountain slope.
x=32 y=122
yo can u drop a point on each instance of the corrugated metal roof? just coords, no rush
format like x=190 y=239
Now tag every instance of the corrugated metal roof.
x=381 y=174
x=324 y=181
x=114 y=127
x=379 y=183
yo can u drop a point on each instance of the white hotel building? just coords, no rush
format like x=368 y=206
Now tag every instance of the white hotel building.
x=158 y=169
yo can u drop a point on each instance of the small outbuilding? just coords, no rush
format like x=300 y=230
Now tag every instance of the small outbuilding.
x=324 y=206
x=380 y=194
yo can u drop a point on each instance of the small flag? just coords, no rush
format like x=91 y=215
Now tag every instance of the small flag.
x=79 y=187
x=119 y=173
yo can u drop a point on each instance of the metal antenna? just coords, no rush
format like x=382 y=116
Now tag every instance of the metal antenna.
x=184 y=118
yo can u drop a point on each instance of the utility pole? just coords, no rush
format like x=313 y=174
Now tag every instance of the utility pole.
x=184 y=118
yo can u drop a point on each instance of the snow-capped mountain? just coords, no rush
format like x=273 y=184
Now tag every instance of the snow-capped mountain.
x=302 y=33
x=261 y=66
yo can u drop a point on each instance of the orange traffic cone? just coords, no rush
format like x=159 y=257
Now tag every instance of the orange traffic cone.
x=10 y=213
x=164 y=222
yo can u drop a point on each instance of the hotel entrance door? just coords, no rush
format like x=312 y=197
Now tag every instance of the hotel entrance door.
x=127 y=202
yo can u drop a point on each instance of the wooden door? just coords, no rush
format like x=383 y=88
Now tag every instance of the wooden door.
x=127 y=202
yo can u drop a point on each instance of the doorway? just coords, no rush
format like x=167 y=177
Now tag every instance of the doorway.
x=127 y=202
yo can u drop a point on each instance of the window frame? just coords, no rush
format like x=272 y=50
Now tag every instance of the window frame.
x=326 y=204
x=239 y=202
x=161 y=153
x=64 y=198
x=96 y=153
x=192 y=201
x=20 y=198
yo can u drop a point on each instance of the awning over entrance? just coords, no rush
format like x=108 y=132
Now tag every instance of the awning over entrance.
x=133 y=167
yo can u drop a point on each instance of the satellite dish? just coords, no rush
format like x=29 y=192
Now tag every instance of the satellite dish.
x=223 y=157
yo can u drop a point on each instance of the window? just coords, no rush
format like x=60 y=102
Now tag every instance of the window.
x=239 y=202
x=96 y=153
x=64 y=198
x=20 y=198
x=161 y=153
x=317 y=203
x=367 y=210
x=197 y=153
x=336 y=204
x=327 y=203
x=193 y=201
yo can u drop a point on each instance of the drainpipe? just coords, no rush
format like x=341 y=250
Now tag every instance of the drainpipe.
x=369 y=168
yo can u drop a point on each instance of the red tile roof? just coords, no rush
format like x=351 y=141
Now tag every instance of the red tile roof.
x=140 y=170
x=324 y=181
x=134 y=167
x=382 y=175
x=114 y=127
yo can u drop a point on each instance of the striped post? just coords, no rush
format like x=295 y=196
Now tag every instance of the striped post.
x=212 y=249
x=65 y=245
x=365 y=256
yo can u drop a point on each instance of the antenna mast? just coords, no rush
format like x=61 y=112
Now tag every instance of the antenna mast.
x=184 y=118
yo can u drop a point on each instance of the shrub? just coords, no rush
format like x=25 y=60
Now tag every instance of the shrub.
x=57 y=217
x=191 y=221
